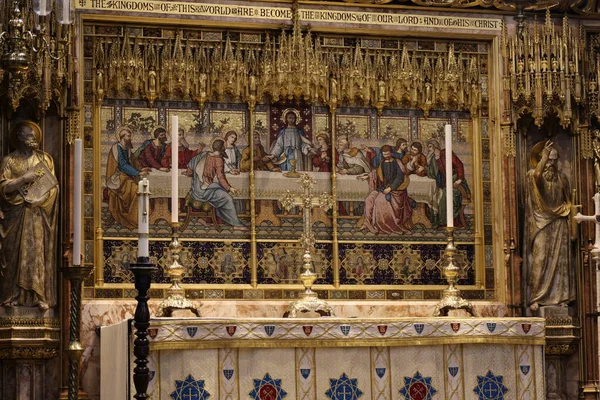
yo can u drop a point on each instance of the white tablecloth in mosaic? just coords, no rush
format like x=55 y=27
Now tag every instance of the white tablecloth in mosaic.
x=272 y=185
x=333 y=358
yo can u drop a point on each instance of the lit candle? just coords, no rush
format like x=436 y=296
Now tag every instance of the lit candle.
x=174 y=168
x=77 y=178
x=449 y=188
x=143 y=208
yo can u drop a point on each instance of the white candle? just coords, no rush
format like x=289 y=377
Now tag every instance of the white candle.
x=449 y=189
x=66 y=11
x=143 y=209
x=174 y=168
x=77 y=179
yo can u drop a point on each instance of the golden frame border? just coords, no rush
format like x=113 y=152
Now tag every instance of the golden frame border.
x=494 y=87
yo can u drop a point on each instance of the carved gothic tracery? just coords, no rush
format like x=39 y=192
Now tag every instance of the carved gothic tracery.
x=266 y=67
x=543 y=70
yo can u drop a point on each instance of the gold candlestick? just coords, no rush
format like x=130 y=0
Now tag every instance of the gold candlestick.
x=175 y=294
x=451 y=298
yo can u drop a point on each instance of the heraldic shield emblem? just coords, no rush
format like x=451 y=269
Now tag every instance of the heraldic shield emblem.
x=231 y=329
x=419 y=328
x=192 y=330
x=269 y=329
x=228 y=373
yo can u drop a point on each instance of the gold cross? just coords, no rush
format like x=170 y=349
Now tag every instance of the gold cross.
x=306 y=201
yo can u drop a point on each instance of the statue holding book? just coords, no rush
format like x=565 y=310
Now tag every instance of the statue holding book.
x=29 y=207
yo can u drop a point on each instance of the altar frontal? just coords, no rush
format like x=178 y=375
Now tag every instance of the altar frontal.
x=332 y=358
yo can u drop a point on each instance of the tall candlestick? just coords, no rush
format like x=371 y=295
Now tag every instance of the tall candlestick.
x=143 y=209
x=77 y=178
x=174 y=168
x=449 y=188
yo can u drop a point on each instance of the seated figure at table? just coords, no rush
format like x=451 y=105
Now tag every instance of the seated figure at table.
x=152 y=151
x=436 y=169
x=388 y=208
x=321 y=161
x=232 y=163
x=415 y=160
x=185 y=154
x=373 y=154
x=261 y=160
x=351 y=160
x=122 y=176
x=210 y=185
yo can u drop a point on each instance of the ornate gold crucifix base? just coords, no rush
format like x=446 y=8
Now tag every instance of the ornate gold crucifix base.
x=309 y=300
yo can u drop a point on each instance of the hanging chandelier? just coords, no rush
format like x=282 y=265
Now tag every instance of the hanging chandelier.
x=34 y=49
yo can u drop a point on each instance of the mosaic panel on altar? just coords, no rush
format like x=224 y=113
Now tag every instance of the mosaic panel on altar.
x=354 y=259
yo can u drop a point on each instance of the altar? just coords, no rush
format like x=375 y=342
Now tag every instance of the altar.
x=331 y=358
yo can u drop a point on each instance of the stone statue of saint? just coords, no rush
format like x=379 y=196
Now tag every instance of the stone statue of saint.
x=551 y=278
x=28 y=201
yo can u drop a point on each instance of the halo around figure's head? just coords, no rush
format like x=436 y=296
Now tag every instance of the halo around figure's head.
x=290 y=110
x=158 y=130
x=535 y=155
x=230 y=132
x=13 y=140
x=121 y=129
x=325 y=136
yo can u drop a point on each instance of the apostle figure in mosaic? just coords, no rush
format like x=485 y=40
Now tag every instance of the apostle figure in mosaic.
x=152 y=151
x=350 y=160
x=28 y=200
x=388 y=207
x=436 y=169
x=291 y=144
x=321 y=161
x=122 y=176
x=185 y=154
x=551 y=279
x=415 y=160
x=210 y=185
x=232 y=163
x=261 y=159
x=373 y=154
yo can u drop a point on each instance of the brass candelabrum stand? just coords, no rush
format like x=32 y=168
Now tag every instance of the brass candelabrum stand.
x=451 y=298
x=176 y=299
